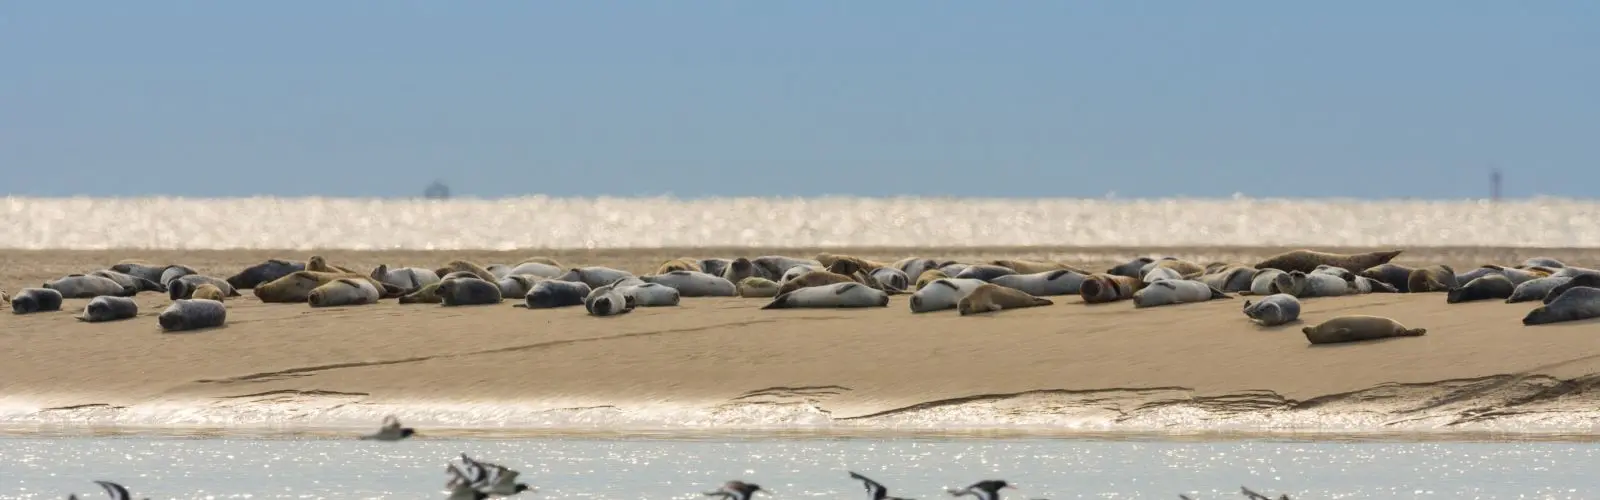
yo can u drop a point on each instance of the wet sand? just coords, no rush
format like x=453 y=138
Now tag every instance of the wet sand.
x=718 y=354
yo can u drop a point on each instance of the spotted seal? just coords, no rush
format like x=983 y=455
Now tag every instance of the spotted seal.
x=1273 y=310
x=1175 y=291
x=1488 y=286
x=837 y=295
x=1535 y=289
x=1100 y=288
x=192 y=314
x=1576 y=303
x=83 y=286
x=943 y=293
x=107 y=308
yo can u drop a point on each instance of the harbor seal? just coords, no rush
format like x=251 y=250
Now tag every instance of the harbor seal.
x=1265 y=282
x=1307 y=260
x=1101 y=288
x=469 y=292
x=1035 y=266
x=183 y=287
x=192 y=314
x=83 y=286
x=550 y=294
x=649 y=294
x=1229 y=279
x=460 y=265
x=265 y=272
x=1394 y=275
x=756 y=287
x=718 y=267
x=1574 y=271
x=1588 y=280
x=500 y=271
x=1472 y=274
x=1363 y=284
x=943 y=293
x=984 y=272
x=1306 y=285
x=319 y=264
x=1161 y=273
x=1439 y=278
x=141 y=269
x=796 y=271
x=1043 y=284
x=989 y=297
x=739 y=269
x=1535 y=289
x=811 y=279
x=107 y=308
x=915 y=266
x=129 y=280
x=1273 y=310
x=297 y=286
x=344 y=292
x=1184 y=268
x=953 y=268
x=1489 y=286
x=594 y=276
x=428 y=294
x=1543 y=262
x=207 y=291
x=539 y=269
x=1342 y=273
x=517 y=285
x=1355 y=328
x=679 y=264
x=695 y=284
x=1132 y=269
x=406 y=279
x=928 y=277
x=32 y=300
x=1519 y=276
x=829 y=259
x=608 y=301
x=1175 y=291
x=837 y=295
x=174 y=272
x=1576 y=303
x=892 y=280
x=773 y=266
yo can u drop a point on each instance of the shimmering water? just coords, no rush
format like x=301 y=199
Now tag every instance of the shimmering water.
x=654 y=468
x=544 y=222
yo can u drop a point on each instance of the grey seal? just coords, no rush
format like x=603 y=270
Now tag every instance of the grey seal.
x=468 y=292
x=1543 y=262
x=344 y=292
x=1588 y=280
x=594 y=276
x=1229 y=279
x=265 y=272
x=943 y=293
x=141 y=269
x=406 y=279
x=556 y=293
x=129 y=280
x=608 y=301
x=1474 y=273
x=517 y=285
x=1306 y=261
x=953 y=268
x=1574 y=271
x=1304 y=285
x=837 y=295
x=192 y=314
x=539 y=269
x=984 y=272
x=1132 y=268
x=1535 y=289
x=1439 y=278
x=1394 y=275
x=989 y=297
x=1355 y=328
x=1175 y=291
x=773 y=266
x=695 y=284
x=1488 y=286
x=175 y=271
x=83 y=286
x=891 y=279
x=1576 y=303
x=737 y=270
x=1273 y=310
x=32 y=300
x=719 y=266
x=649 y=294
x=1265 y=281
x=756 y=287
x=182 y=287
x=915 y=266
x=108 y=309
x=1161 y=273
x=1045 y=284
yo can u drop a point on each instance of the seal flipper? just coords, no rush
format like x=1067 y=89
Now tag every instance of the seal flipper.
x=1218 y=294
x=779 y=302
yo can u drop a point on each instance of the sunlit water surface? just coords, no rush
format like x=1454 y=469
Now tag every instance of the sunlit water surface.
x=653 y=468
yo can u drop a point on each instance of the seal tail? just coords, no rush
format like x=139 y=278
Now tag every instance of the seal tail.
x=779 y=302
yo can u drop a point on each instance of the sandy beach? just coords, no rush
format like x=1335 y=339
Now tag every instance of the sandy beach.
x=730 y=363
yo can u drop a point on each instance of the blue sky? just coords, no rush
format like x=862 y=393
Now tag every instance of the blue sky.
x=1376 y=99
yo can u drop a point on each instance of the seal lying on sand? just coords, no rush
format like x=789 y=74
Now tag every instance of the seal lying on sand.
x=83 y=286
x=695 y=284
x=1535 y=289
x=556 y=293
x=830 y=296
x=206 y=291
x=1175 y=291
x=428 y=294
x=1440 y=278
x=1132 y=269
x=811 y=279
x=773 y=266
x=1588 y=280
x=1102 y=288
x=1229 y=279
x=141 y=269
x=1044 y=284
x=828 y=260
x=988 y=297
x=108 y=309
x=984 y=272
x=1184 y=268
x=1307 y=260
x=1355 y=328
x=915 y=266
x=1273 y=310
x=1307 y=285
x=515 y=286
x=737 y=270
x=130 y=281
x=32 y=300
x=1155 y=274
x=539 y=269
x=648 y=294
x=1576 y=303
x=469 y=292
x=1264 y=282
x=192 y=314
x=1489 y=286
x=297 y=286
x=941 y=294
x=407 y=279
x=264 y=272
x=460 y=265
x=717 y=266
x=892 y=280
x=344 y=292
x=319 y=264
x=1034 y=266
x=1393 y=274
x=607 y=301
x=594 y=276
x=183 y=287
x=757 y=287
x=928 y=277
x=173 y=272
x=1543 y=262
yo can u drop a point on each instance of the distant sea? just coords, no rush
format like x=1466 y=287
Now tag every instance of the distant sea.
x=566 y=223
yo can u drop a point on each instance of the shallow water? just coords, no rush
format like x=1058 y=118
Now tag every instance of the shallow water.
x=545 y=222
x=918 y=467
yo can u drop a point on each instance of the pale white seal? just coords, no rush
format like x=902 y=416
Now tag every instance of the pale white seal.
x=651 y=294
x=407 y=279
x=831 y=296
x=1264 y=282
x=1273 y=310
x=943 y=293
x=984 y=272
x=695 y=284
x=516 y=286
x=1175 y=291
x=500 y=271
x=344 y=292
x=84 y=286
x=892 y=279
x=192 y=314
x=1161 y=273
x=107 y=308
x=1044 y=284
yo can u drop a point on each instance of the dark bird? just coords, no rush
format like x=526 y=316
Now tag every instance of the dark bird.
x=875 y=490
x=736 y=490
x=391 y=431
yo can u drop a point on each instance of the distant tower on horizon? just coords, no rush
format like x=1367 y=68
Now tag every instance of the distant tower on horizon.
x=436 y=191
x=1494 y=184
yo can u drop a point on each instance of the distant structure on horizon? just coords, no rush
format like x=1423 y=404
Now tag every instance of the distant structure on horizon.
x=1494 y=185
x=437 y=191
